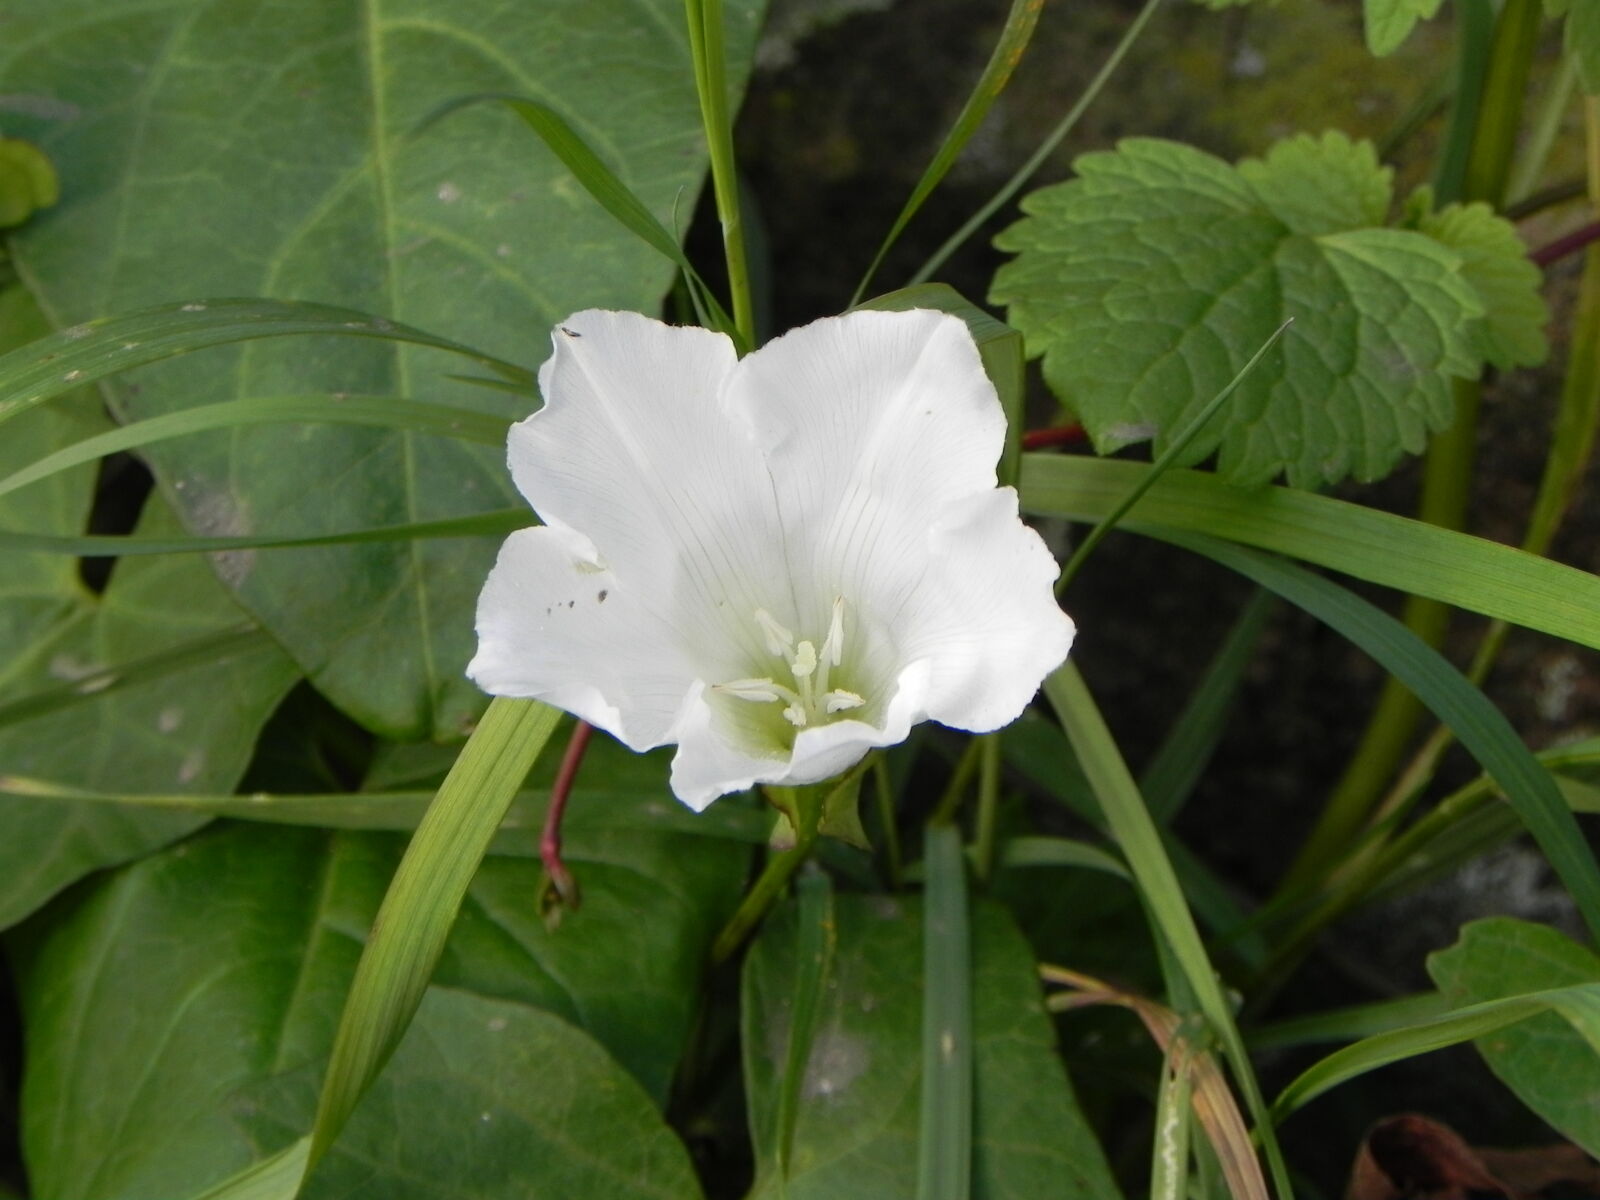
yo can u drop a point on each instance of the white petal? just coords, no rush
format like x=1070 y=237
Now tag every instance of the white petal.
x=984 y=616
x=635 y=449
x=555 y=626
x=864 y=414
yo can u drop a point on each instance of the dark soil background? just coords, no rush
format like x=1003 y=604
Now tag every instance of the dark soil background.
x=849 y=102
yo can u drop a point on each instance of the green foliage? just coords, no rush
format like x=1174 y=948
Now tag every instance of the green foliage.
x=1582 y=38
x=469 y=228
x=179 y=1012
x=1389 y=22
x=857 y=1131
x=191 y=727
x=1150 y=280
x=27 y=182
x=1545 y=1060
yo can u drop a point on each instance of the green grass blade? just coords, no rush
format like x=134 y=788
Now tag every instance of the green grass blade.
x=421 y=904
x=1055 y=852
x=385 y=412
x=1354 y=1021
x=497 y=523
x=1477 y=724
x=1579 y=1004
x=1459 y=569
x=1003 y=60
x=274 y=1178
x=218 y=646
x=1046 y=148
x=1178 y=762
x=1140 y=840
x=86 y=353
x=1163 y=463
x=944 y=1147
x=592 y=809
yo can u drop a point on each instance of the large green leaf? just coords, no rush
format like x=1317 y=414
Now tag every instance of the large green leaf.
x=1149 y=280
x=1544 y=1060
x=226 y=148
x=177 y=1014
x=190 y=728
x=856 y=1133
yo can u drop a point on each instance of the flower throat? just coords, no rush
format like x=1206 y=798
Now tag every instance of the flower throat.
x=809 y=701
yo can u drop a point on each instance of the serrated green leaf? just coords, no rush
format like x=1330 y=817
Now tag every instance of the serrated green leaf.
x=857 y=1128
x=177 y=1013
x=189 y=729
x=316 y=183
x=1551 y=1067
x=1150 y=280
x=1389 y=22
x=1496 y=263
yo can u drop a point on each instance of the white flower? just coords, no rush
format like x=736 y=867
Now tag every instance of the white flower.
x=778 y=562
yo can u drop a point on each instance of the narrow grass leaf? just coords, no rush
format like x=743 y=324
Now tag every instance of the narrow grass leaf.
x=422 y=901
x=944 y=1148
x=593 y=808
x=1047 y=852
x=1003 y=60
x=273 y=1178
x=1355 y=1021
x=1480 y=727
x=1579 y=1004
x=1140 y=839
x=385 y=412
x=91 y=351
x=1397 y=552
x=496 y=523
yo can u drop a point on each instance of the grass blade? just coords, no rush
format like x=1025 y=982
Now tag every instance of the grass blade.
x=606 y=810
x=86 y=353
x=421 y=904
x=1140 y=840
x=1008 y=50
x=273 y=1178
x=496 y=523
x=1478 y=725
x=1579 y=1004
x=1459 y=569
x=385 y=412
x=944 y=1148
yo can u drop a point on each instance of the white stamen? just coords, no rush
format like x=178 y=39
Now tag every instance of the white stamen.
x=833 y=648
x=838 y=700
x=749 y=689
x=795 y=715
x=779 y=640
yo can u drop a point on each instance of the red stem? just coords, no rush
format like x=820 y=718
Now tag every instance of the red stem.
x=1059 y=435
x=550 y=838
x=1546 y=256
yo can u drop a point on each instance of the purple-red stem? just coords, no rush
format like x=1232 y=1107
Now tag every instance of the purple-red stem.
x=550 y=838
x=1060 y=435
x=1546 y=256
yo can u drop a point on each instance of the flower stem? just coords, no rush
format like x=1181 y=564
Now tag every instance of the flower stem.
x=807 y=808
x=561 y=889
x=711 y=82
x=988 y=804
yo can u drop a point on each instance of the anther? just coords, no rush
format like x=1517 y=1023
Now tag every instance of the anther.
x=833 y=648
x=779 y=640
x=796 y=716
x=804 y=661
x=839 y=700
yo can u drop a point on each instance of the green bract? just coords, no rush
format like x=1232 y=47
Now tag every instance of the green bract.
x=1147 y=282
